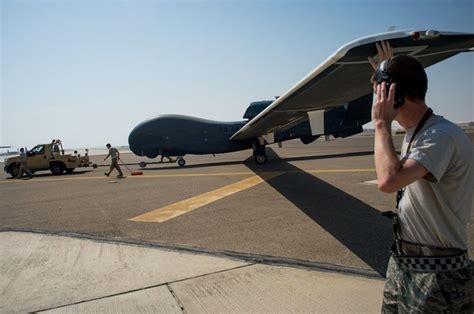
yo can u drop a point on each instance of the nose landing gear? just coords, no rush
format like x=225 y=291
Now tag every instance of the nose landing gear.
x=181 y=161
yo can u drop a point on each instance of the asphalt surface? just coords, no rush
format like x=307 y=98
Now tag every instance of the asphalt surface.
x=317 y=211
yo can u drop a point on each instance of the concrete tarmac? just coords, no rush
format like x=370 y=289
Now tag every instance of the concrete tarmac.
x=56 y=274
x=310 y=206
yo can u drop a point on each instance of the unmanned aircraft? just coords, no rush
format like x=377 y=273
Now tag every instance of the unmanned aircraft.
x=334 y=99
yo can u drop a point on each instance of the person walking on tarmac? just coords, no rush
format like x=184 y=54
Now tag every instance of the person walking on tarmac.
x=115 y=155
x=23 y=166
x=429 y=269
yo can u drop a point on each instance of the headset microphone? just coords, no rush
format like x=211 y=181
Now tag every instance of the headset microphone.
x=382 y=74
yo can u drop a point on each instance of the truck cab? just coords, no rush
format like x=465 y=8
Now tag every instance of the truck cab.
x=37 y=157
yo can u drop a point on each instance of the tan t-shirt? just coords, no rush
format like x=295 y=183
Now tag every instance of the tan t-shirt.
x=436 y=210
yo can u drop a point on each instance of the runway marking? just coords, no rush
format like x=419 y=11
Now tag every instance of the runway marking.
x=337 y=170
x=241 y=173
x=190 y=204
x=374 y=182
x=132 y=177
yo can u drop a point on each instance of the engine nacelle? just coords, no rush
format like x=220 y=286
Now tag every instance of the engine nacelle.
x=255 y=108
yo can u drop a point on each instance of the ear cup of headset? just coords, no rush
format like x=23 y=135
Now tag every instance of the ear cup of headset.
x=382 y=74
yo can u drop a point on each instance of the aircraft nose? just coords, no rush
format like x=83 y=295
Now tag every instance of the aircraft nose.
x=135 y=141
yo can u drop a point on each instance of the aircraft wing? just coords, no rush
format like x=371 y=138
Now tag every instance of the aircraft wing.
x=345 y=76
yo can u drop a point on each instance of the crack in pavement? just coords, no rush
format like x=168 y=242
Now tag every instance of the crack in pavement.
x=167 y=284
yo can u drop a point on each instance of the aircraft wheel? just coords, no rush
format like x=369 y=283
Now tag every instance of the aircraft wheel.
x=260 y=159
x=142 y=164
x=181 y=162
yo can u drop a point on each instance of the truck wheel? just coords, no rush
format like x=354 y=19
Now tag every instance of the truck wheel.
x=70 y=170
x=14 y=170
x=57 y=168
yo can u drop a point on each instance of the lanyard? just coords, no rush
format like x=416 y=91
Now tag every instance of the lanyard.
x=420 y=125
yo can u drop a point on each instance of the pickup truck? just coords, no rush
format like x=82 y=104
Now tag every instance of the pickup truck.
x=48 y=157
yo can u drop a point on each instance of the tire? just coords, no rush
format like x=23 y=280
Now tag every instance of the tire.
x=14 y=170
x=181 y=162
x=142 y=164
x=260 y=159
x=57 y=168
x=70 y=170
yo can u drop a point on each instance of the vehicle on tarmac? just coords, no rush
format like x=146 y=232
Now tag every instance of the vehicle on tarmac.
x=49 y=157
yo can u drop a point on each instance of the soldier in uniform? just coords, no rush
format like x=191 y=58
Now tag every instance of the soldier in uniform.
x=429 y=270
x=54 y=148
x=115 y=155
x=23 y=165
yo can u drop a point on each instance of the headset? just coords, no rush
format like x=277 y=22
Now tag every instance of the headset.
x=382 y=74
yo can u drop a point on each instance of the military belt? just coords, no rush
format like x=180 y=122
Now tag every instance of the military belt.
x=417 y=257
x=433 y=263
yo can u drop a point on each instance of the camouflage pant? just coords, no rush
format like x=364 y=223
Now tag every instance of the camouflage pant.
x=423 y=292
x=24 y=168
x=115 y=165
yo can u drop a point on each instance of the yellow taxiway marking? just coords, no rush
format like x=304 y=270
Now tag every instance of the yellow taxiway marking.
x=149 y=176
x=190 y=204
x=338 y=170
x=132 y=177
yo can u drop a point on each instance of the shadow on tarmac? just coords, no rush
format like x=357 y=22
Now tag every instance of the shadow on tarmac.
x=316 y=157
x=358 y=226
x=214 y=164
x=45 y=175
x=228 y=163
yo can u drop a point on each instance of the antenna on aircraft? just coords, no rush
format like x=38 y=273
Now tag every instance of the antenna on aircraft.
x=391 y=28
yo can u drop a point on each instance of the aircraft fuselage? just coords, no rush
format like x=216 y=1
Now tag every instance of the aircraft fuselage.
x=177 y=135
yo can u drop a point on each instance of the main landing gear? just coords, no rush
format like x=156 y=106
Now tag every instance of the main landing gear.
x=259 y=154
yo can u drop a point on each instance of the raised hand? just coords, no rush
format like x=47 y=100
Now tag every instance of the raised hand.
x=384 y=51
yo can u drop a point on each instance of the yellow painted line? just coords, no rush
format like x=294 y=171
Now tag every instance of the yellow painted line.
x=112 y=177
x=216 y=174
x=177 y=175
x=190 y=204
x=340 y=170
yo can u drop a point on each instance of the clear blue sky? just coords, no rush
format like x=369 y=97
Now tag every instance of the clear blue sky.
x=89 y=71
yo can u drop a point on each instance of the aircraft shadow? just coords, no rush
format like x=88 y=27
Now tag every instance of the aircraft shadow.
x=328 y=156
x=213 y=164
x=358 y=226
x=275 y=156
